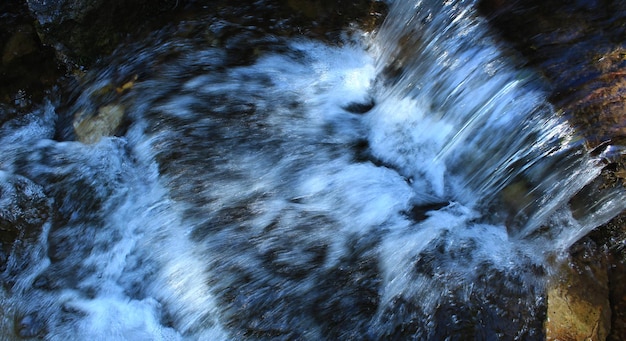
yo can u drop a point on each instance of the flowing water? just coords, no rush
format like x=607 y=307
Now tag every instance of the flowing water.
x=408 y=183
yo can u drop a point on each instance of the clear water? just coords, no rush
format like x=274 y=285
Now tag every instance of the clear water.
x=407 y=183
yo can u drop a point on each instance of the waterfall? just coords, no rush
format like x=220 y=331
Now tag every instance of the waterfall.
x=409 y=182
x=501 y=140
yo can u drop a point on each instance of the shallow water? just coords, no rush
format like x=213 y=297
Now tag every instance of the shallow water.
x=406 y=183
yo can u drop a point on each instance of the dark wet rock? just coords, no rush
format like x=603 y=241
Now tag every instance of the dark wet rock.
x=51 y=11
x=580 y=49
x=41 y=41
x=420 y=212
x=84 y=30
x=617 y=294
x=333 y=13
x=27 y=68
x=24 y=208
x=22 y=42
x=360 y=108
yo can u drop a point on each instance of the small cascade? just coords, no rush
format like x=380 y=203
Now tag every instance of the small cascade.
x=501 y=145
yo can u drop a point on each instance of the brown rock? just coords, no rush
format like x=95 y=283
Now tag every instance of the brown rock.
x=90 y=129
x=578 y=305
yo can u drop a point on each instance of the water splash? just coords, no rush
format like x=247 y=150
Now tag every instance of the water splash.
x=501 y=141
x=406 y=184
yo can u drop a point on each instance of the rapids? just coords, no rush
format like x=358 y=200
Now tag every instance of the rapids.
x=407 y=183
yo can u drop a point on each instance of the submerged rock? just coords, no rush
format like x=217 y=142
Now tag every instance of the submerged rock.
x=24 y=209
x=92 y=128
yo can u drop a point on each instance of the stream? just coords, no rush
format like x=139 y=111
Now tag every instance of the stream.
x=225 y=183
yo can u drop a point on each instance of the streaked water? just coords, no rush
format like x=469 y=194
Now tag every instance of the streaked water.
x=406 y=183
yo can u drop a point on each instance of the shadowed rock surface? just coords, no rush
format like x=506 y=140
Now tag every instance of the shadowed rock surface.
x=24 y=209
x=580 y=49
x=86 y=30
x=27 y=67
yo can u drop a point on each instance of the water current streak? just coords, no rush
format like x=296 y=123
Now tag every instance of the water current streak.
x=499 y=140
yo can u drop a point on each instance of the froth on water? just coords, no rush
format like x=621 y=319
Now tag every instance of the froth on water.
x=406 y=183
